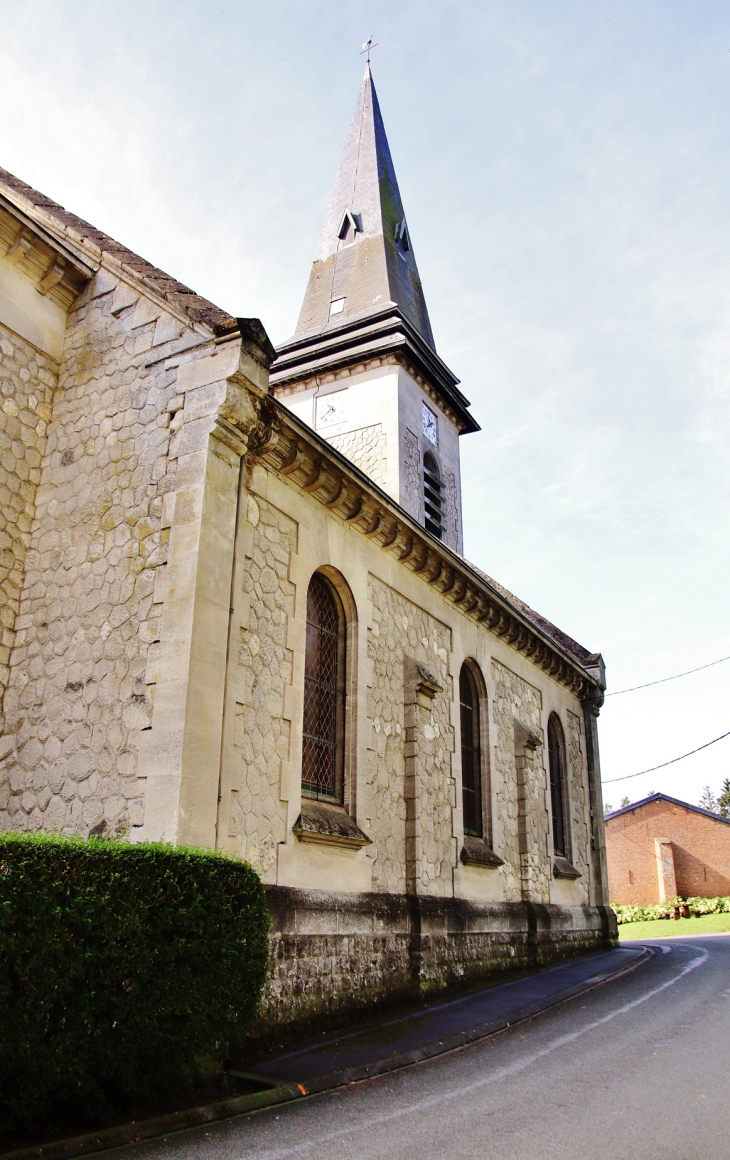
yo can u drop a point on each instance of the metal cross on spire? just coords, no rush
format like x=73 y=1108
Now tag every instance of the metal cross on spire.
x=367 y=46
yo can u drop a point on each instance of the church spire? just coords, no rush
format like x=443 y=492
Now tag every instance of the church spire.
x=364 y=306
x=365 y=259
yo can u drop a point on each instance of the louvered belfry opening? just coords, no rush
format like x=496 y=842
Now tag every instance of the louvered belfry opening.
x=432 y=497
x=556 y=757
x=323 y=693
x=471 y=758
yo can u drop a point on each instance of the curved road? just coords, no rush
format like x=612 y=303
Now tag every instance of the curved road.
x=639 y=1068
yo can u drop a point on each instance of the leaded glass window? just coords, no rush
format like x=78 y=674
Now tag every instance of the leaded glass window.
x=556 y=758
x=471 y=756
x=323 y=693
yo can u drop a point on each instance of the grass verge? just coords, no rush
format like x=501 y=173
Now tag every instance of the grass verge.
x=670 y=928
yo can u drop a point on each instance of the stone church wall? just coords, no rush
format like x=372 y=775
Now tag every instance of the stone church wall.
x=521 y=787
x=77 y=699
x=577 y=796
x=400 y=628
x=27 y=382
x=258 y=680
x=162 y=522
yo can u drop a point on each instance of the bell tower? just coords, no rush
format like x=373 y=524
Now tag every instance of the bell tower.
x=362 y=368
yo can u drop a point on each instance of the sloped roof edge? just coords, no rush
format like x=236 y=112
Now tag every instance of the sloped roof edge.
x=666 y=798
x=80 y=234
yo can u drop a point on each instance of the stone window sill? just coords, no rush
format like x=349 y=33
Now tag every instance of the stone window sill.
x=329 y=826
x=562 y=868
x=476 y=852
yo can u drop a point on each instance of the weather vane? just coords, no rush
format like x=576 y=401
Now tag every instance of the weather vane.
x=367 y=46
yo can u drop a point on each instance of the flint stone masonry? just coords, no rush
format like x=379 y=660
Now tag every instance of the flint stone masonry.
x=262 y=673
x=527 y=865
x=411 y=492
x=401 y=628
x=578 y=800
x=78 y=700
x=365 y=448
x=27 y=382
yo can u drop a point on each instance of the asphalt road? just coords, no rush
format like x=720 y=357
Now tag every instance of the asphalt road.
x=638 y=1068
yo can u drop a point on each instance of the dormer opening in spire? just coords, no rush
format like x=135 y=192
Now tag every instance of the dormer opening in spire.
x=362 y=368
x=349 y=228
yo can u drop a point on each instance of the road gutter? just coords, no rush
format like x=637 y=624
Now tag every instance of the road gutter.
x=136 y=1131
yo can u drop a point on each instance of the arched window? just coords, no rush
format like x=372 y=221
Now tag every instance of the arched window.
x=432 y=496
x=471 y=754
x=324 y=693
x=558 y=795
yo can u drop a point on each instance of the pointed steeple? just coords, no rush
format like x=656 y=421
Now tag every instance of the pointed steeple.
x=365 y=258
x=364 y=304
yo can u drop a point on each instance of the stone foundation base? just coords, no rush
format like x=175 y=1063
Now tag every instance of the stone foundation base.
x=335 y=957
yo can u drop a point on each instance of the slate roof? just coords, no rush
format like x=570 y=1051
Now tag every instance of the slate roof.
x=656 y=797
x=371 y=271
x=580 y=654
x=76 y=230
x=371 y=267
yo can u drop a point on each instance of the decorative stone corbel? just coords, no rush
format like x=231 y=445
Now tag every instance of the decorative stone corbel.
x=525 y=739
x=425 y=685
x=21 y=246
x=52 y=276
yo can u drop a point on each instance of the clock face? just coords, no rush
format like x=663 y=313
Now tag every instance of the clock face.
x=330 y=410
x=430 y=429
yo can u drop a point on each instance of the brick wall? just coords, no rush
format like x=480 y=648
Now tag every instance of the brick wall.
x=700 y=847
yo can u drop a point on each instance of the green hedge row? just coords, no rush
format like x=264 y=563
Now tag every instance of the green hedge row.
x=127 y=972
x=666 y=909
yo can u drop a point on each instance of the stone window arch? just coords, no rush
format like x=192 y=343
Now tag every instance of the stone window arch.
x=474 y=720
x=328 y=717
x=558 y=788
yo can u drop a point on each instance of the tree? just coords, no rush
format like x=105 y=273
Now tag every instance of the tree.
x=625 y=802
x=723 y=801
x=607 y=809
x=707 y=801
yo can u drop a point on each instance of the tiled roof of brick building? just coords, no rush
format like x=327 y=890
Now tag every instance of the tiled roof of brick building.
x=663 y=797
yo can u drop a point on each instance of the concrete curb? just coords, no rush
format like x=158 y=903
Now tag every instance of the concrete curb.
x=455 y=1042
x=137 y=1130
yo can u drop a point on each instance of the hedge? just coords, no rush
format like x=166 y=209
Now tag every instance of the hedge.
x=630 y=913
x=127 y=972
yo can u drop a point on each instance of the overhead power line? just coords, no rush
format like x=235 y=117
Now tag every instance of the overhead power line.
x=664 y=763
x=665 y=679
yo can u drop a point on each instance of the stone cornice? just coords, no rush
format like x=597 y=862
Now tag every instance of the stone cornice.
x=296 y=453
x=378 y=334
x=56 y=269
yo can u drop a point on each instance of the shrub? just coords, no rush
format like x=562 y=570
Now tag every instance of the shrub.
x=125 y=971
x=632 y=913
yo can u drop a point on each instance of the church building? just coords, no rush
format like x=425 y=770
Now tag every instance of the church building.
x=236 y=612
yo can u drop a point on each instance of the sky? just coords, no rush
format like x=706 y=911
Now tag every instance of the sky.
x=564 y=168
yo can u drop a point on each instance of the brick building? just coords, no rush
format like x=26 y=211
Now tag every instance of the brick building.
x=661 y=847
x=235 y=613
